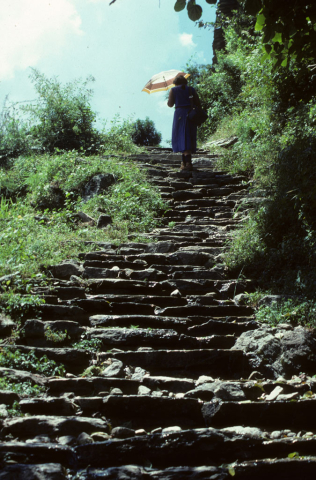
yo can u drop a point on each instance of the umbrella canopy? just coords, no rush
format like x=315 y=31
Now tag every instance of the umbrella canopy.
x=163 y=81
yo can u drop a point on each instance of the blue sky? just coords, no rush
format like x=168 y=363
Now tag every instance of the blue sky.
x=121 y=46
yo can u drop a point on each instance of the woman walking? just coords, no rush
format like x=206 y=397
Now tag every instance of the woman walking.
x=183 y=131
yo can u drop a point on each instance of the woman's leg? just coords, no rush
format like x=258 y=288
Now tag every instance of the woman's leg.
x=187 y=160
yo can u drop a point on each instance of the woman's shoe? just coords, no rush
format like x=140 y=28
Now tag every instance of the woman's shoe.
x=182 y=166
x=188 y=166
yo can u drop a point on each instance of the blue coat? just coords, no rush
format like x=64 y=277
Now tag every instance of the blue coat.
x=183 y=131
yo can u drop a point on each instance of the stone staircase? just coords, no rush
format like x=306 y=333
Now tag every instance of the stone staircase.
x=166 y=395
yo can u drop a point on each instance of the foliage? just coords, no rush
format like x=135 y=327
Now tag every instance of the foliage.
x=145 y=133
x=118 y=137
x=62 y=116
x=194 y=10
x=295 y=311
x=92 y=344
x=56 y=336
x=14 y=138
x=30 y=362
x=17 y=305
x=24 y=389
x=288 y=27
x=271 y=111
x=29 y=237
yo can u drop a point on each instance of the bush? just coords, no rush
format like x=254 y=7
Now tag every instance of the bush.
x=62 y=117
x=144 y=133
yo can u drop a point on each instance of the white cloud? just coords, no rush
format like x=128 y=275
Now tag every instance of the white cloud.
x=33 y=29
x=186 y=40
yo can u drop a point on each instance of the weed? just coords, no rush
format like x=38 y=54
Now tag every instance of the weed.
x=56 y=336
x=92 y=345
x=24 y=389
x=294 y=311
x=30 y=362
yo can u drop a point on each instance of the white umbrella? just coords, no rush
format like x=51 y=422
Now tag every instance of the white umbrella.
x=163 y=81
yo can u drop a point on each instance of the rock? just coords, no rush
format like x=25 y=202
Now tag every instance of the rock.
x=48 y=471
x=67 y=440
x=287 y=397
x=84 y=438
x=276 y=434
x=280 y=352
x=142 y=390
x=274 y=394
x=204 y=391
x=156 y=430
x=241 y=299
x=97 y=185
x=245 y=432
x=140 y=431
x=122 y=432
x=100 y=436
x=86 y=218
x=19 y=376
x=204 y=379
x=37 y=328
x=171 y=430
x=104 y=221
x=8 y=398
x=48 y=406
x=65 y=270
x=176 y=293
x=3 y=411
x=229 y=391
x=28 y=427
x=256 y=376
x=116 y=391
x=6 y=325
x=115 y=368
x=54 y=198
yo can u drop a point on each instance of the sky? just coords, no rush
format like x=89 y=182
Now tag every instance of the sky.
x=122 y=46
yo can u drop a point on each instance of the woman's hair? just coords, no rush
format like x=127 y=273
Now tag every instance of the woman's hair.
x=180 y=80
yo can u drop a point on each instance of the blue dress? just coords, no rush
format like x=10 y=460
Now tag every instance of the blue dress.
x=183 y=131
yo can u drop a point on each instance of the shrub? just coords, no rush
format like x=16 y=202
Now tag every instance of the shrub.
x=62 y=117
x=144 y=133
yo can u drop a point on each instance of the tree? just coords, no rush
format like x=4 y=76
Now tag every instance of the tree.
x=145 y=133
x=288 y=26
x=62 y=116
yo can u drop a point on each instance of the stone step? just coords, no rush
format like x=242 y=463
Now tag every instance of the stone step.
x=217 y=363
x=211 y=311
x=135 y=337
x=74 y=360
x=142 y=321
x=277 y=415
x=198 y=447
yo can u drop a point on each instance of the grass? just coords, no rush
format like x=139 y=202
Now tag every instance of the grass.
x=31 y=238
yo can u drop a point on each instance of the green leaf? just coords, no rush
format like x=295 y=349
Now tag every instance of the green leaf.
x=293 y=455
x=261 y=19
x=180 y=5
x=252 y=7
x=277 y=38
x=194 y=11
x=231 y=471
